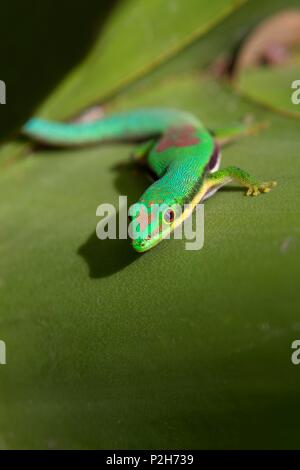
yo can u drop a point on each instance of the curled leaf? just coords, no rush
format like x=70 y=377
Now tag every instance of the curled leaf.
x=271 y=42
x=268 y=63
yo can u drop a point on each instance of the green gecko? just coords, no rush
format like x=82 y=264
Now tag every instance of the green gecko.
x=180 y=151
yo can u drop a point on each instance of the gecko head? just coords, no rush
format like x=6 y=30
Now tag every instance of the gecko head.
x=152 y=222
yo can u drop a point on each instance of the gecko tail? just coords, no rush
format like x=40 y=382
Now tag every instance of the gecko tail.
x=131 y=125
x=63 y=134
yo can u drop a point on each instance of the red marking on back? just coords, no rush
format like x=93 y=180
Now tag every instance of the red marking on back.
x=183 y=136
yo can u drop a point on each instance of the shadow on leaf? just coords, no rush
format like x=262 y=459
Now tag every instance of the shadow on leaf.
x=107 y=257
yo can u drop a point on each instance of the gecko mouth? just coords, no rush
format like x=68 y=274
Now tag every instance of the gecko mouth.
x=141 y=246
x=146 y=243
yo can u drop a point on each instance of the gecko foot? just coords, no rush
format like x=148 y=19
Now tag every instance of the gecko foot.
x=256 y=189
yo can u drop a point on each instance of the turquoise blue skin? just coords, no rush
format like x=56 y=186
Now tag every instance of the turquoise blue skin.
x=178 y=149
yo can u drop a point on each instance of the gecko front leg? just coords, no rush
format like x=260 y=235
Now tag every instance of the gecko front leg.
x=141 y=151
x=233 y=173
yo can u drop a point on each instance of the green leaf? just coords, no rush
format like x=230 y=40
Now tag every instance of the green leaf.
x=138 y=36
x=272 y=87
x=103 y=343
x=174 y=348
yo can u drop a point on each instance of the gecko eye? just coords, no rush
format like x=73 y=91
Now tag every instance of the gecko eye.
x=169 y=216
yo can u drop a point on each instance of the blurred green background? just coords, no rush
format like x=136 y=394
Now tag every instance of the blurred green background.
x=174 y=348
